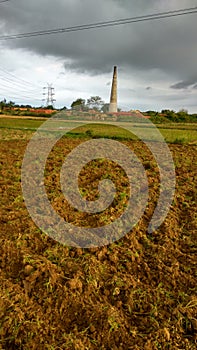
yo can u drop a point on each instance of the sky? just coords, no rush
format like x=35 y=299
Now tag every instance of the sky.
x=156 y=60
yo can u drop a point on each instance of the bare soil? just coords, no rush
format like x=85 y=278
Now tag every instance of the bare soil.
x=138 y=293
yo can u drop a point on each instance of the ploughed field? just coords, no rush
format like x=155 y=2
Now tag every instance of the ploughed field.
x=137 y=293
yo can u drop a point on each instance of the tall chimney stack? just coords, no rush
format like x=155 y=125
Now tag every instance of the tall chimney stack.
x=113 y=98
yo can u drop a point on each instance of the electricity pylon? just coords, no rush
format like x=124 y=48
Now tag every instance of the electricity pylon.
x=48 y=91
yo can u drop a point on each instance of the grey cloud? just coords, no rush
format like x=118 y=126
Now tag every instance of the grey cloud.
x=168 y=45
x=180 y=85
x=185 y=84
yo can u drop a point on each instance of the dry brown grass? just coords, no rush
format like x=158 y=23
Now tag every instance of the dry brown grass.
x=138 y=293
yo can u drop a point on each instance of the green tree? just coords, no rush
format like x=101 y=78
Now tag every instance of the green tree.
x=182 y=115
x=183 y=110
x=2 y=104
x=49 y=107
x=151 y=113
x=11 y=104
x=105 y=108
x=168 y=112
x=78 y=104
x=95 y=102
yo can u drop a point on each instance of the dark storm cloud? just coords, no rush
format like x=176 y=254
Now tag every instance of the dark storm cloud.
x=190 y=83
x=170 y=45
x=180 y=85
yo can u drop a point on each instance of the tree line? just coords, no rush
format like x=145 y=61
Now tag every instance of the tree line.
x=97 y=104
x=167 y=115
x=94 y=102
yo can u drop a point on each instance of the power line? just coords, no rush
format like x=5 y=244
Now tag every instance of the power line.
x=18 y=87
x=11 y=88
x=16 y=84
x=17 y=79
x=16 y=94
x=16 y=90
x=156 y=16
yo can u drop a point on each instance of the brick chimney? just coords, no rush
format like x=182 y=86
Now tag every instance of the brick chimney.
x=113 y=98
